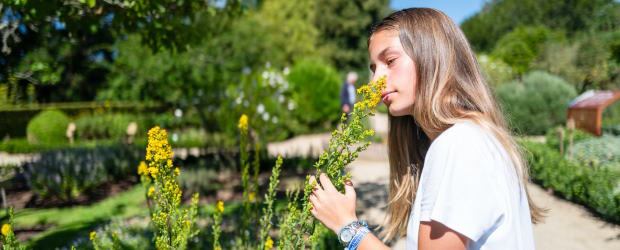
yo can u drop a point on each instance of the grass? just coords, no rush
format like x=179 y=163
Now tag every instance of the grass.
x=71 y=222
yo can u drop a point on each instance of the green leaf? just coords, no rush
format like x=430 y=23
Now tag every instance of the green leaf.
x=91 y=3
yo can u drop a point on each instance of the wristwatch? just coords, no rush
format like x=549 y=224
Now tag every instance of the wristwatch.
x=346 y=233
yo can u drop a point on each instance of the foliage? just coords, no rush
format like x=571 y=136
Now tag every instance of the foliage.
x=495 y=70
x=498 y=17
x=173 y=227
x=594 y=187
x=49 y=126
x=8 y=240
x=315 y=89
x=536 y=103
x=342 y=30
x=67 y=173
x=104 y=126
x=603 y=152
x=553 y=141
x=520 y=47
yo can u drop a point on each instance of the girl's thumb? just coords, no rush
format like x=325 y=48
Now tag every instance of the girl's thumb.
x=349 y=191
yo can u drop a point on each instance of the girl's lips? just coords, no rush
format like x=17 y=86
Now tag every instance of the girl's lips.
x=386 y=96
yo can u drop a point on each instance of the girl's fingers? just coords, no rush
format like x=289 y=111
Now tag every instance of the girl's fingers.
x=313 y=180
x=349 y=190
x=326 y=183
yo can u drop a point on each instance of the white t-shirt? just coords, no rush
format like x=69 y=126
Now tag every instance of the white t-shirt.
x=469 y=185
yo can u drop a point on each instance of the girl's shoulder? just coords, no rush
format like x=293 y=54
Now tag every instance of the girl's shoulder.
x=465 y=135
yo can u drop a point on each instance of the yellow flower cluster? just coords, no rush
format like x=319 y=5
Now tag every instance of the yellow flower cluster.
x=151 y=191
x=243 y=123
x=142 y=168
x=372 y=93
x=269 y=243
x=6 y=229
x=220 y=206
x=93 y=235
x=158 y=150
x=252 y=196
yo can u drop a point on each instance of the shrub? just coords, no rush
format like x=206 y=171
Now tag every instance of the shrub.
x=67 y=173
x=598 y=152
x=104 y=126
x=596 y=188
x=536 y=103
x=495 y=70
x=49 y=126
x=316 y=91
x=553 y=140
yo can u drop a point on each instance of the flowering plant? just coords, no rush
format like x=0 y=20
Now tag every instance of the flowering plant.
x=7 y=238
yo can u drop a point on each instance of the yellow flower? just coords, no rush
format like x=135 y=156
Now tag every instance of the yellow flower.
x=218 y=248
x=269 y=243
x=177 y=171
x=243 y=123
x=6 y=229
x=151 y=191
x=251 y=196
x=153 y=171
x=93 y=235
x=220 y=206
x=142 y=168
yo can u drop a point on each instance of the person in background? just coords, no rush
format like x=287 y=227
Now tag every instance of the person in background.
x=348 y=94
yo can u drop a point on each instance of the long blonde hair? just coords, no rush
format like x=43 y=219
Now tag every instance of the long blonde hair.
x=450 y=88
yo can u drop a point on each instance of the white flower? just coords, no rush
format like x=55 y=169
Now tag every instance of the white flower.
x=291 y=106
x=178 y=113
x=274 y=120
x=265 y=74
x=286 y=71
x=260 y=108
x=281 y=98
x=266 y=116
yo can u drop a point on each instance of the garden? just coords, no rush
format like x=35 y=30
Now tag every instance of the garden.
x=146 y=124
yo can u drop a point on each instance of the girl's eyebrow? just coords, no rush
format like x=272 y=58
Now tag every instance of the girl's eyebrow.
x=385 y=51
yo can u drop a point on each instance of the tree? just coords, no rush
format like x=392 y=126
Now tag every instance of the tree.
x=344 y=27
x=499 y=17
x=70 y=39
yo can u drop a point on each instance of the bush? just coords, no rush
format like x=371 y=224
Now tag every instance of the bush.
x=316 y=91
x=49 y=126
x=553 y=141
x=495 y=70
x=595 y=188
x=598 y=152
x=67 y=173
x=537 y=103
x=105 y=126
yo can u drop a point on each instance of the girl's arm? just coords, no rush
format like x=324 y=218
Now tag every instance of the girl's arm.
x=335 y=210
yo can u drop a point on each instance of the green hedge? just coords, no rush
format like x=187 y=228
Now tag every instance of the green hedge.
x=594 y=187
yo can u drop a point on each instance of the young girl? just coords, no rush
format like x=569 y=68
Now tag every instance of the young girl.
x=457 y=177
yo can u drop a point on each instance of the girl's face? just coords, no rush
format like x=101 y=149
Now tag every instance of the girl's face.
x=387 y=57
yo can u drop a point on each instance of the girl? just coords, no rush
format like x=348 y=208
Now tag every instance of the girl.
x=457 y=177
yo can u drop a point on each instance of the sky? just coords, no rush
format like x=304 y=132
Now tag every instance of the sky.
x=458 y=10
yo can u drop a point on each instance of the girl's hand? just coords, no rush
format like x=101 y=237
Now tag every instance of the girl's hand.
x=330 y=206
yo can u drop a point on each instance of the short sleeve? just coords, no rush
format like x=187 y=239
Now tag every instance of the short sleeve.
x=460 y=191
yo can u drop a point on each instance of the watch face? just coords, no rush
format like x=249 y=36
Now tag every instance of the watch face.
x=346 y=236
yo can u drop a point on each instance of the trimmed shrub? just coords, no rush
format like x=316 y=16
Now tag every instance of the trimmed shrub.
x=49 y=126
x=537 y=103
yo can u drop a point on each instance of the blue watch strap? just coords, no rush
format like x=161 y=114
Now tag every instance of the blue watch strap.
x=358 y=238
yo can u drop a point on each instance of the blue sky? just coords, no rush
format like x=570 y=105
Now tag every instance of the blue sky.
x=458 y=10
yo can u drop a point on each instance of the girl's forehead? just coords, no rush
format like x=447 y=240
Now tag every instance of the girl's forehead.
x=383 y=39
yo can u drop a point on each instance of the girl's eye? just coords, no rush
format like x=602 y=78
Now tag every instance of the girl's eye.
x=390 y=61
